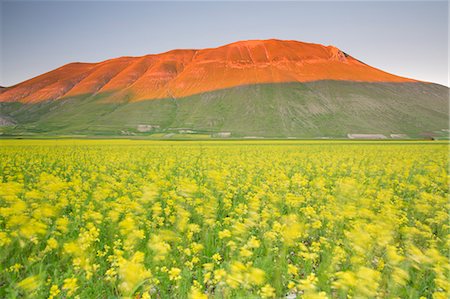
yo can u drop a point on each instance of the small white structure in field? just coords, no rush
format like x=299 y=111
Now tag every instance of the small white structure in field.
x=366 y=136
x=186 y=131
x=223 y=134
x=399 y=136
x=126 y=132
x=146 y=128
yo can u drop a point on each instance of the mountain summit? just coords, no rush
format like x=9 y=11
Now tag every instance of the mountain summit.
x=257 y=87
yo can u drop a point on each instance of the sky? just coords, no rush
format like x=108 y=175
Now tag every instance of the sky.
x=405 y=38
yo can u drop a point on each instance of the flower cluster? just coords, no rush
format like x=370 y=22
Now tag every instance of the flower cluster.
x=253 y=219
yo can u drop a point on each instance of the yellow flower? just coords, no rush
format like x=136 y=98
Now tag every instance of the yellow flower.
x=206 y=277
x=132 y=272
x=345 y=280
x=400 y=276
x=174 y=274
x=393 y=257
x=159 y=247
x=15 y=268
x=267 y=291
x=216 y=257
x=292 y=270
x=219 y=275
x=70 y=285
x=308 y=284
x=253 y=243
x=257 y=276
x=29 y=284
x=244 y=252
x=52 y=243
x=197 y=294
x=315 y=295
x=292 y=229
x=196 y=247
x=54 y=291
x=224 y=234
x=208 y=266
x=4 y=239
x=110 y=274
x=61 y=224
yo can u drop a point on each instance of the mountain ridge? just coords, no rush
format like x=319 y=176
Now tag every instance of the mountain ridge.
x=184 y=72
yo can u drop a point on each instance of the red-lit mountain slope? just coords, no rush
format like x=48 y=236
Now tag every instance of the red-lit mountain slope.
x=181 y=73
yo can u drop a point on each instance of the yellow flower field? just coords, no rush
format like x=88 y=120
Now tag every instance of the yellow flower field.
x=235 y=219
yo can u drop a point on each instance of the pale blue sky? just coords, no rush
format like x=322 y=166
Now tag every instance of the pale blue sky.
x=404 y=38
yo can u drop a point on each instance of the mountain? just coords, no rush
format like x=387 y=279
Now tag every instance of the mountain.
x=267 y=88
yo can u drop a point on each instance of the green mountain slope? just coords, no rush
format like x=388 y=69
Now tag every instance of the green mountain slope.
x=304 y=110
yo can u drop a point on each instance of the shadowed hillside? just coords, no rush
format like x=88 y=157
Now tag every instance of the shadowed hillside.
x=315 y=109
